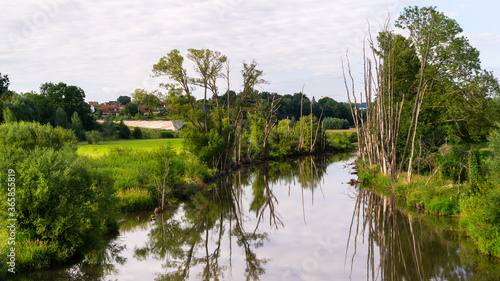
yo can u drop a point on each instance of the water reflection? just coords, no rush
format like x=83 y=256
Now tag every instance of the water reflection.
x=285 y=220
x=403 y=246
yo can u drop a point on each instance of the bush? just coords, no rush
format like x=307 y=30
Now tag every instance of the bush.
x=481 y=219
x=93 y=137
x=137 y=133
x=25 y=135
x=133 y=199
x=332 y=123
x=62 y=207
x=453 y=163
x=123 y=131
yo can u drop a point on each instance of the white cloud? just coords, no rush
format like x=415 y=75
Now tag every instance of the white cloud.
x=113 y=44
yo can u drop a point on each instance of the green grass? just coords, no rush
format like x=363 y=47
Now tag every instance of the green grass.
x=143 y=144
x=350 y=130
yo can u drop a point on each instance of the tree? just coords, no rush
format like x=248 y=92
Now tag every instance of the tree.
x=137 y=133
x=179 y=99
x=123 y=100
x=5 y=93
x=70 y=98
x=108 y=127
x=123 y=131
x=208 y=64
x=130 y=108
x=23 y=108
x=76 y=126
x=148 y=99
x=8 y=116
x=46 y=107
x=61 y=119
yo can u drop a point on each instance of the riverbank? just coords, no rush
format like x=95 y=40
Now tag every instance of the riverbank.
x=478 y=213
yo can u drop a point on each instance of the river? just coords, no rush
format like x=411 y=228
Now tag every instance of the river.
x=289 y=220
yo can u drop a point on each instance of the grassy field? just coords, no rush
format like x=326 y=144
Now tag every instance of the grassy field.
x=350 y=130
x=106 y=146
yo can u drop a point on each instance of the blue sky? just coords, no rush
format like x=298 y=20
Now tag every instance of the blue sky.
x=108 y=47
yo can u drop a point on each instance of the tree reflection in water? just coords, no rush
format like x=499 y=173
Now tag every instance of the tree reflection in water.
x=219 y=215
x=409 y=248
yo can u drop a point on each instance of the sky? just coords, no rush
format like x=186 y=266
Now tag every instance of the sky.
x=108 y=47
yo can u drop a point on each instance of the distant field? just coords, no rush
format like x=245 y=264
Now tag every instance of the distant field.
x=351 y=130
x=106 y=146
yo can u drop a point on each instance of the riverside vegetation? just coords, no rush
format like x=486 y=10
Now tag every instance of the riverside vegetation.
x=428 y=133
x=68 y=201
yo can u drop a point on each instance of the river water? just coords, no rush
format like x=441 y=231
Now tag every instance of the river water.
x=289 y=220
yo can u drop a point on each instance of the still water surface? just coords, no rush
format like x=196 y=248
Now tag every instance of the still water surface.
x=294 y=220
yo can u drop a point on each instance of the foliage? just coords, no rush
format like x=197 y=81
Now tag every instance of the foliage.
x=123 y=131
x=493 y=161
x=137 y=133
x=123 y=100
x=481 y=219
x=23 y=108
x=108 y=127
x=8 y=116
x=130 y=109
x=76 y=126
x=63 y=205
x=330 y=123
x=61 y=118
x=26 y=135
x=93 y=137
x=452 y=164
x=71 y=99
x=133 y=199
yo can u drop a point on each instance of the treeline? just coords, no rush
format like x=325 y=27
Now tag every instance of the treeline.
x=230 y=129
x=430 y=121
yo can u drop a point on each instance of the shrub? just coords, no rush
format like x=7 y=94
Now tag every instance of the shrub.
x=332 y=123
x=62 y=207
x=137 y=133
x=123 y=131
x=93 y=137
x=26 y=135
x=135 y=199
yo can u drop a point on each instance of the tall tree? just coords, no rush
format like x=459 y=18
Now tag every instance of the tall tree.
x=76 y=126
x=71 y=99
x=208 y=64
x=123 y=100
x=179 y=92
x=444 y=58
x=61 y=118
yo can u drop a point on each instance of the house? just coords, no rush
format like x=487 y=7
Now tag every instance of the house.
x=111 y=109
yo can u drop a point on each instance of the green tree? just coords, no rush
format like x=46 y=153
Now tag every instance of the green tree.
x=45 y=106
x=93 y=137
x=61 y=119
x=130 y=108
x=23 y=108
x=108 y=127
x=180 y=101
x=208 y=64
x=8 y=116
x=76 y=126
x=71 y=99
x=137 y=133
x=123 y=100
x=123 y=131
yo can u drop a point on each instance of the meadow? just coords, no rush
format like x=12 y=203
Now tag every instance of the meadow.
x=105 y=147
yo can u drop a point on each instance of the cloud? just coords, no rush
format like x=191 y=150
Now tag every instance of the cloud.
x=113 y=44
